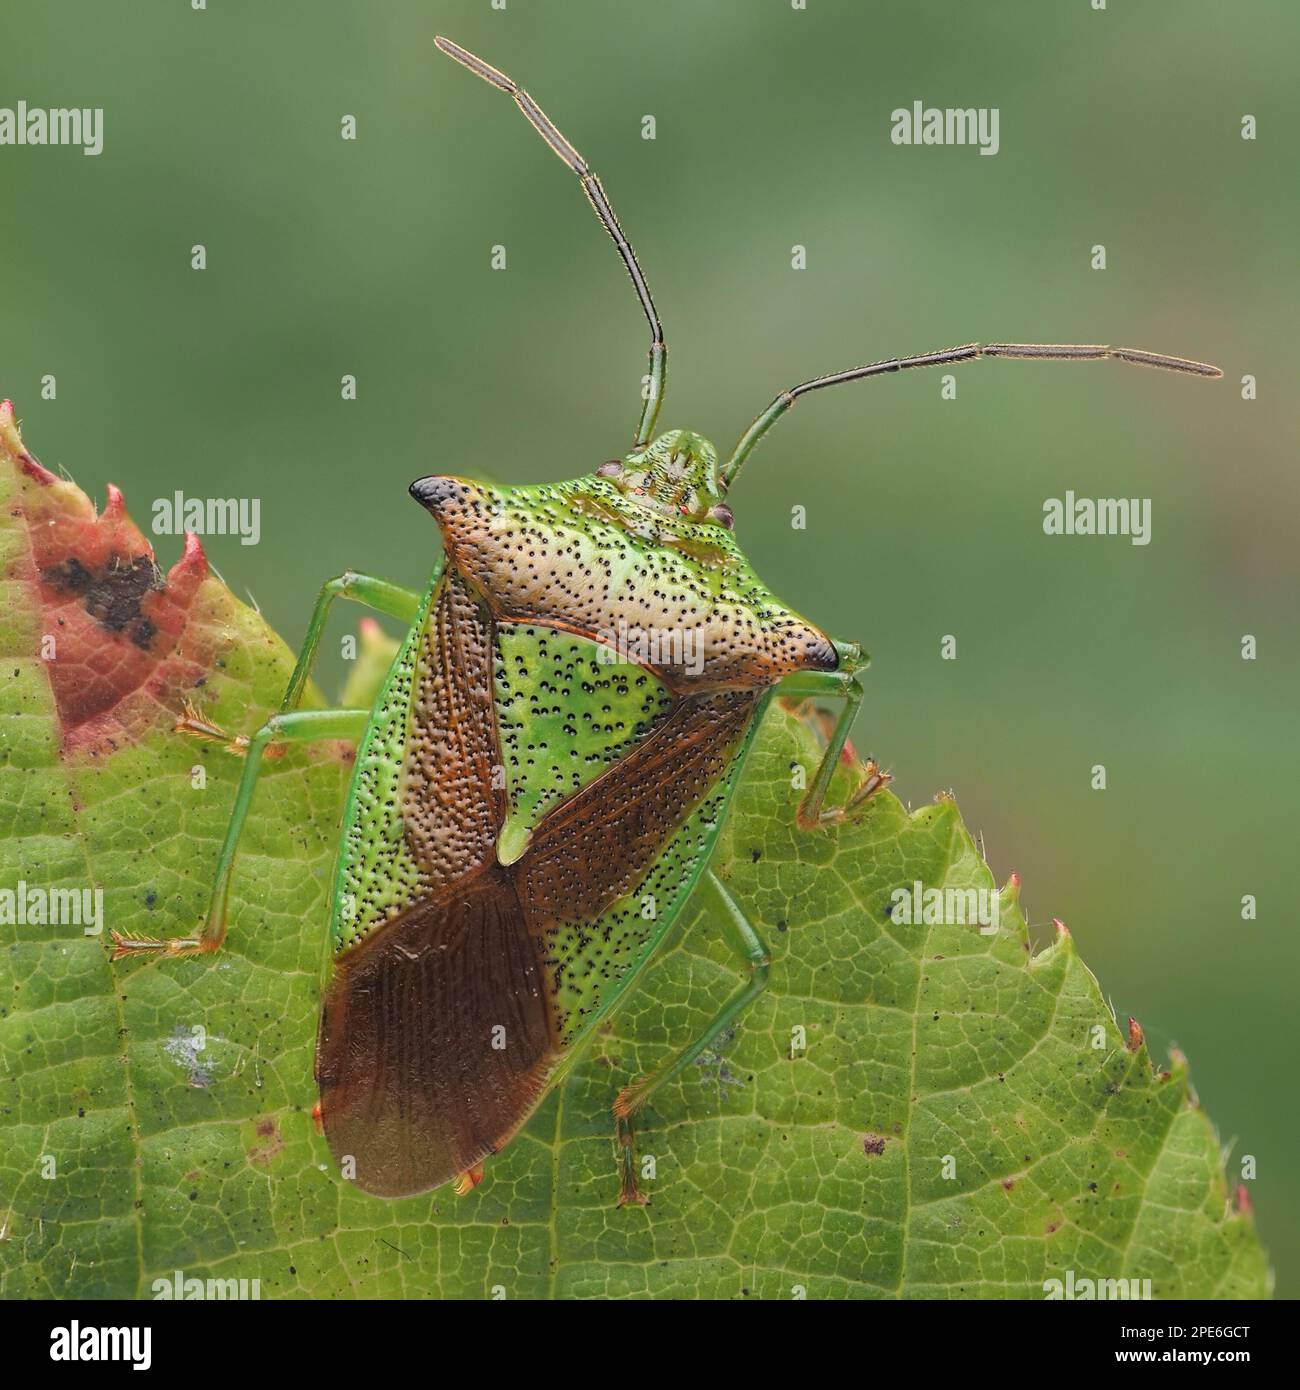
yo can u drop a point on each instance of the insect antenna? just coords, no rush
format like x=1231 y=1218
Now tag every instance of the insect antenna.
x=1045 y=352
x=598 y=199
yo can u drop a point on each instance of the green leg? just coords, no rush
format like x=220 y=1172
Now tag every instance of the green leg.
x=289 y=726
x=298 y=726
x=832 y=685
x=750 y=947
x=379 y=594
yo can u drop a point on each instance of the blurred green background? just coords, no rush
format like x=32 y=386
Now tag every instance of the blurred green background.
x=372 y=257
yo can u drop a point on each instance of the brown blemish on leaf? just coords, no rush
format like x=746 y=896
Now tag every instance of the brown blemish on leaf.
x=273 y=1142
x=112 y=595
x=873 y=1143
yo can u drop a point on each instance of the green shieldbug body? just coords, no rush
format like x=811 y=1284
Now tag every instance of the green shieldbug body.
x=542 y=778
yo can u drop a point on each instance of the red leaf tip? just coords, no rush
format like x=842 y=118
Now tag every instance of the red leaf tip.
x=11 y=442
x=192 y=560
x=36 y=470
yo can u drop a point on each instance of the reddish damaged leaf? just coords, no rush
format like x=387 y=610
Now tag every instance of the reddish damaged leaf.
x=114 y=628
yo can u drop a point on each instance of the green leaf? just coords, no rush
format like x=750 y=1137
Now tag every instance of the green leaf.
x=909 y=1110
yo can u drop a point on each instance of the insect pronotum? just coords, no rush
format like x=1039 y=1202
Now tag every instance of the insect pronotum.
x=533 y=803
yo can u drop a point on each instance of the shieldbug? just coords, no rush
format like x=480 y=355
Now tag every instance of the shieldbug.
x=555 y=747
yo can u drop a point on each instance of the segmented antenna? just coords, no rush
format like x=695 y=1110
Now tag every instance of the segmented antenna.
x=1043 y=352
x=598 y=199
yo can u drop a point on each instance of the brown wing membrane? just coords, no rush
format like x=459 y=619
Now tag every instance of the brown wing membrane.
x=435 y=1039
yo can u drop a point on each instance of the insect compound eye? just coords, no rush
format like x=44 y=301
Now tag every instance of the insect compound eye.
x=723 y=515
x=610 y=469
